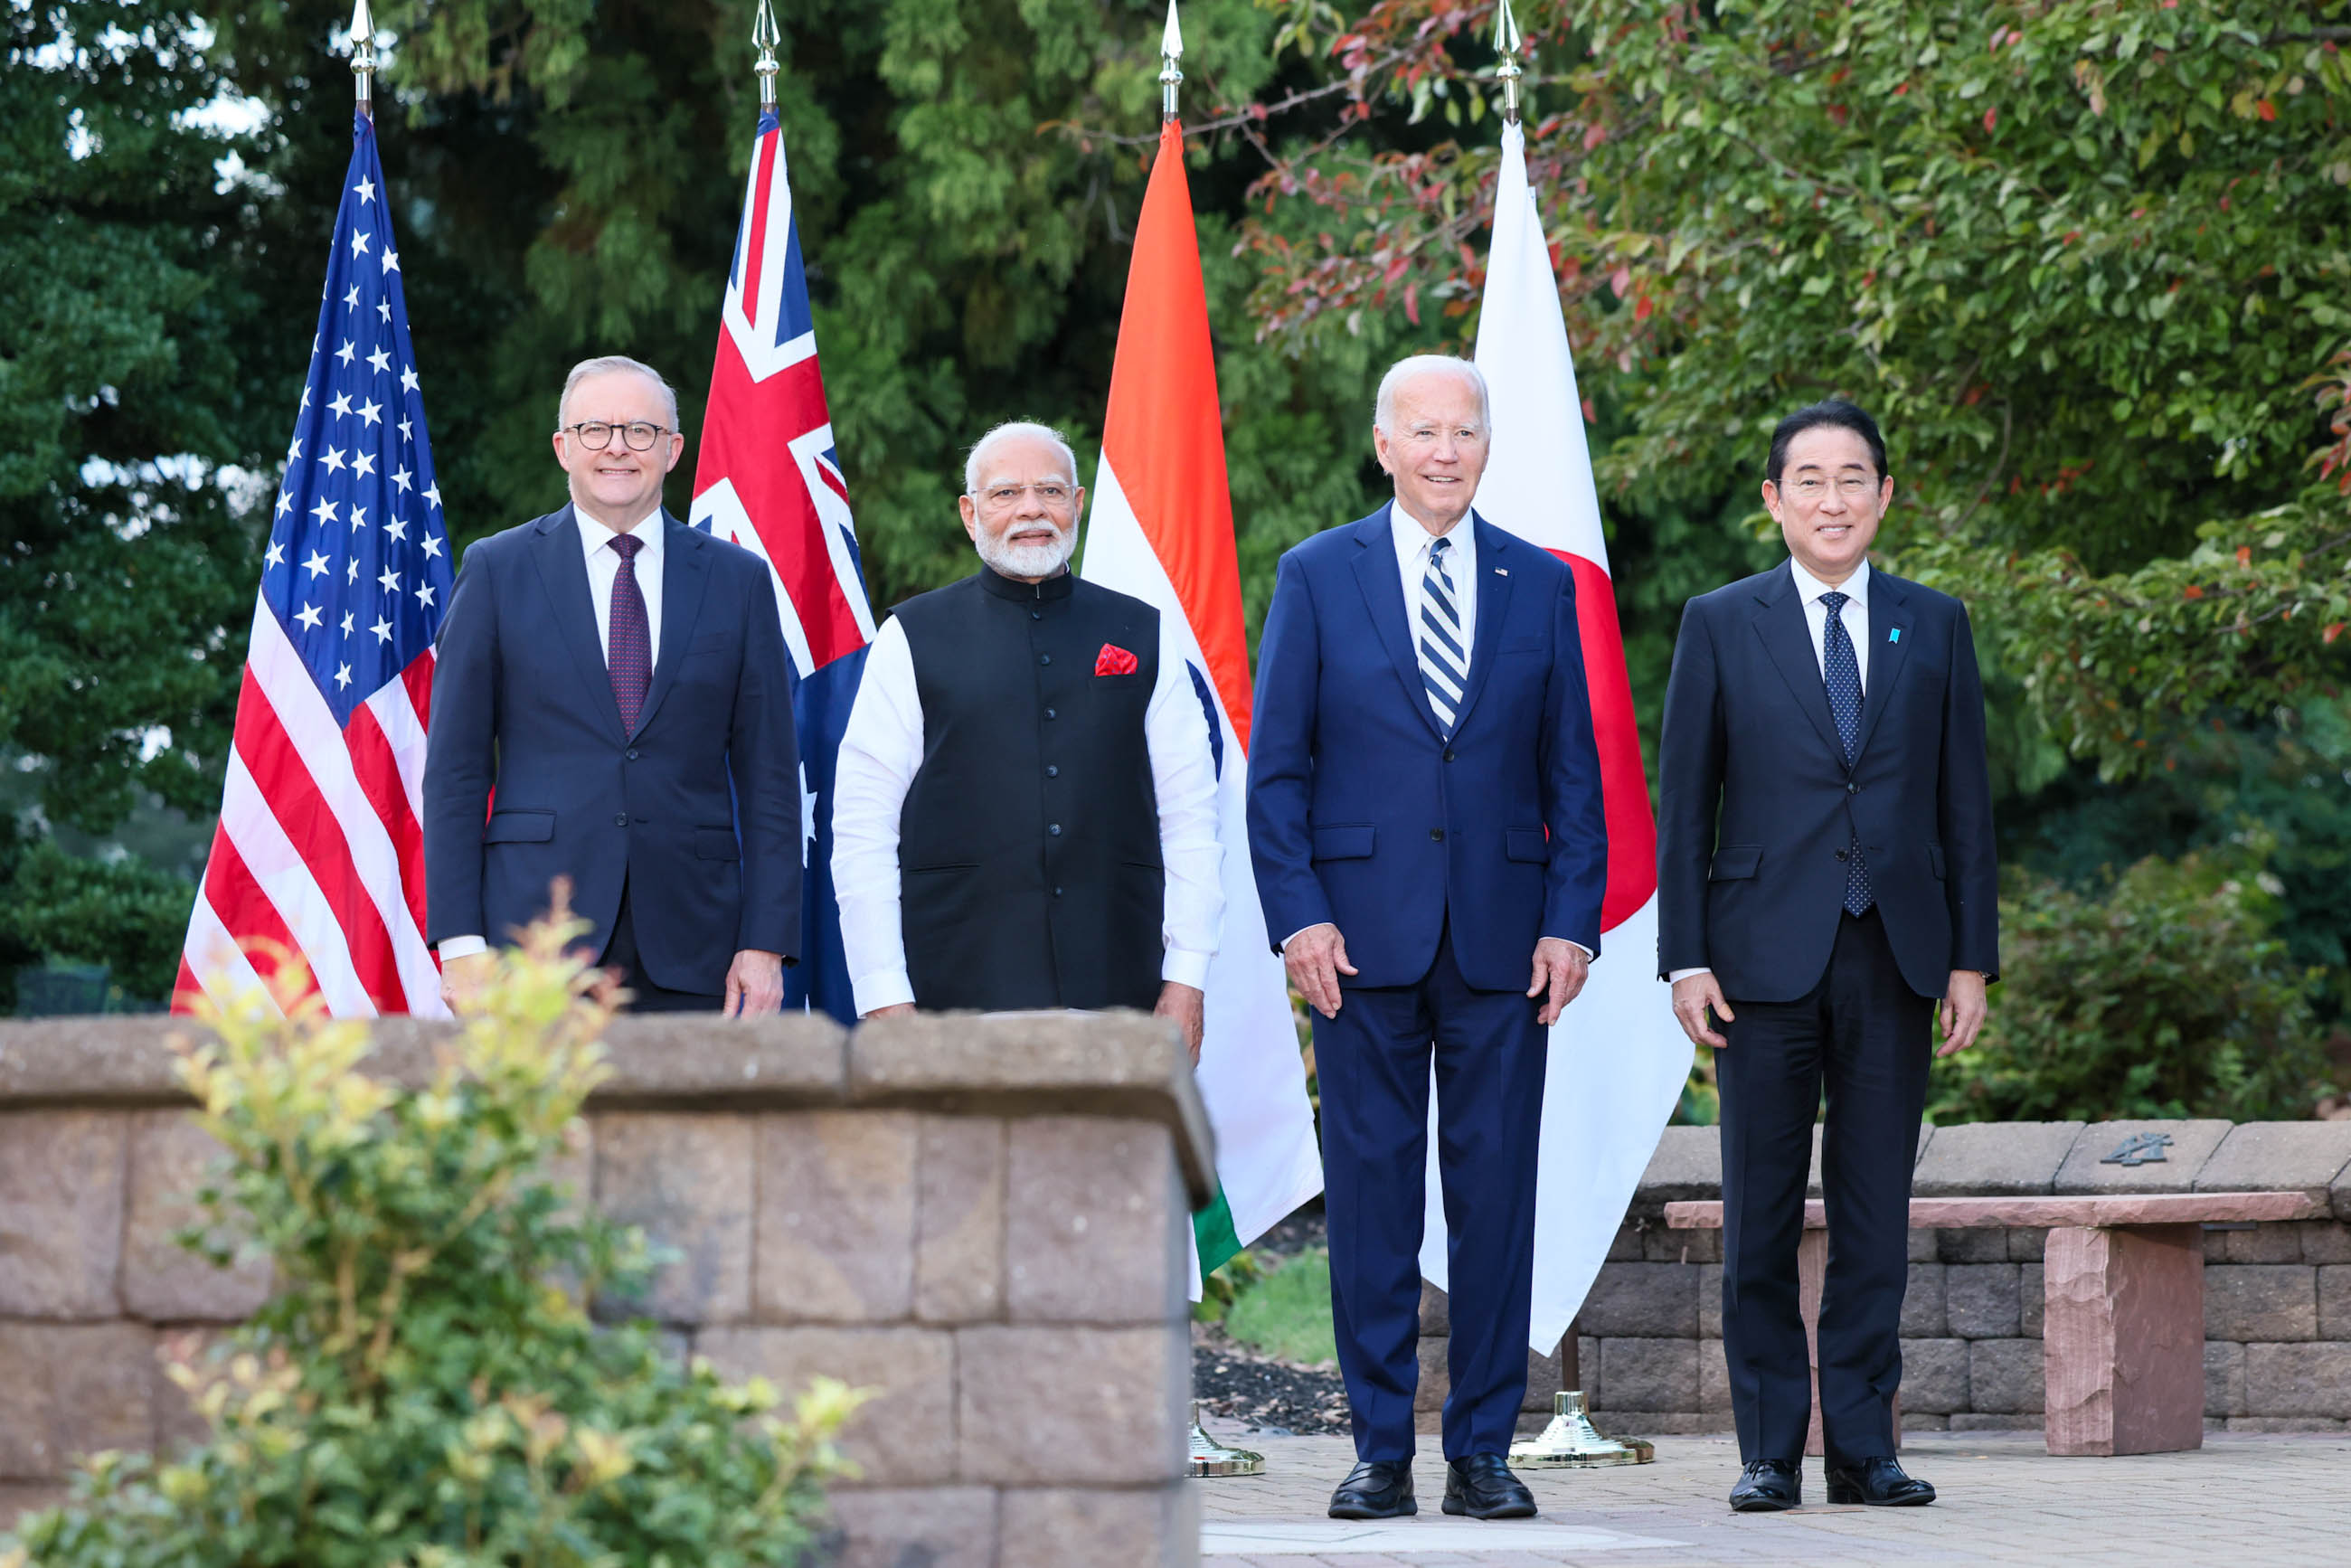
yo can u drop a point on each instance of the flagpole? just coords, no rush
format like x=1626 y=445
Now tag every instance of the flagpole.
x=1171 y=49
x=363 y=57
x=766 y=36
x=1508 y=45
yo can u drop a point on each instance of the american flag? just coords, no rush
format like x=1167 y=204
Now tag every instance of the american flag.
x=318 y=853
x=769 y=479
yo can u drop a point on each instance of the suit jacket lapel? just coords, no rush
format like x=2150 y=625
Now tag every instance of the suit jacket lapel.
x=1889 y=650
x=1493 y=591
x=563 y=572
x=1788 y=639
x=686 y=576
x=1383 y=584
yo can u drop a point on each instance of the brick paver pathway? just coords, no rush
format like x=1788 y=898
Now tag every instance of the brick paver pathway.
x=2243 y=1499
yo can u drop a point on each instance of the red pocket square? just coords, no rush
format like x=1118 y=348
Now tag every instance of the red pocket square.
x=1113 y=659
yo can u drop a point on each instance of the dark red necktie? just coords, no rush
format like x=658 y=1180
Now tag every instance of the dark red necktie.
x=629 y=651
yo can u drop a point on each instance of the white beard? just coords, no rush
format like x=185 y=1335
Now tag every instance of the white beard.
x=1009 y=559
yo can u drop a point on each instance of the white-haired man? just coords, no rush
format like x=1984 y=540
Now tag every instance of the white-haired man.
x=612 y=704
x=1024 y=814
x=1424 y=816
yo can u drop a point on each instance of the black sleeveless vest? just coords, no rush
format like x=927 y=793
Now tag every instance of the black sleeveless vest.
x=1029 y=844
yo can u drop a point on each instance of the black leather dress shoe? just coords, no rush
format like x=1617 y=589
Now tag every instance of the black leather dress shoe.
x=1768 y=1486
x=1879 y=1483
x=1376 y=1488
x=1481 y=1485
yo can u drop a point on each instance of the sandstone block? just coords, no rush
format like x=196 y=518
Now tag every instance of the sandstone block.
x=2255 y=1301
x=2278 y=1242
x=2224 y=1378
x=1545 y=1377
x=1633 y=1301
x=2325 y=1241
x=178 y=1423
x=1686 y=1166
x=1923 y=1314
x=172 y=1159
x=1090 y=1406
x=1820 y=1131
x=959 y=1219
x=937 y=1527
x=2192 y=1143
x=1980 y=1300
x=2279 y=1156
x=903 y=1436
x=2124 y=1341
x=1923 y=1248
x=1435 y=1314
x=1587 y=1365
x=1661 y=1245
x=1096 y=1223
x=686 y=1180
x=1713 y=1378
x=61 y=1204
x=1914 y=1422
x=1710 y=1301
x=1628 y=1246
x=836 y=1216
x=1435 y=1380
x=2032 y=1298
x=2310 y=1379
x=1991 y=1421
x=1974 y=1245
x=2026 y=1243
x=2335 y=1301
x=2004 y=1376
x=1155 y=1527
x=1650 y=1374
x=793 y=1055
x=1994 y=1158
x=71 y=1389
x=1934 y=1375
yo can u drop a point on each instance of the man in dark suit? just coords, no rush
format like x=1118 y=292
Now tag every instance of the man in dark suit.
x=611 y=704
x=1424 y=819
x=1826 y=873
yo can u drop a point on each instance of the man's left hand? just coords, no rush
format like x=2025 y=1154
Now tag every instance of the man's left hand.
x=1186 y=1006
x=1560 y=969
x=754 y=984
x=1962 y=1011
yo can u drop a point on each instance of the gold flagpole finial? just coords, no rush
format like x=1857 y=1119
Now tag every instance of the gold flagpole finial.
x=766 y=35
x=1171 y=49
x=363 y=57
x=1508 y=45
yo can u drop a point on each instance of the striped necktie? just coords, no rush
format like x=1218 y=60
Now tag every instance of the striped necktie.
x=1444 y=660
x=629 y=651
x=1841 y=671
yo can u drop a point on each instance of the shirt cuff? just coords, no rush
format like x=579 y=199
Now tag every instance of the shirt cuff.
x=1679 y=976
x=1588 y=954
x=1186 y=969
x=884 y=989
x=462 y=948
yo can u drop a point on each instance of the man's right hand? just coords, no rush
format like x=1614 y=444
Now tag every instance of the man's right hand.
x=1693 y=994
x=895 y=1009
x=462 y=980
x=1315 y=958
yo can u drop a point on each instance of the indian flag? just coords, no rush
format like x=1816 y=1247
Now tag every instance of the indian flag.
x=1163 y=530
x=1618 y=1060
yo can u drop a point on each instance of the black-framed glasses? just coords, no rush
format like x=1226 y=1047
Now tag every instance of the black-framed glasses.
x=596 y=434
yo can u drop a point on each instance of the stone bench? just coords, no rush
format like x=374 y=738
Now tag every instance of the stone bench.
x=2123 y=1283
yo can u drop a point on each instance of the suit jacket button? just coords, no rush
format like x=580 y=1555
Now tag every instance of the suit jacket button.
x=1437 y=835
x=1055 y=829
x=1840 y=854
x=1036 y=615
x=1850 y=789
x=1053 y=770
x=1449 y=754
x=621 y=819
x=632 y=754
x=1049 y=713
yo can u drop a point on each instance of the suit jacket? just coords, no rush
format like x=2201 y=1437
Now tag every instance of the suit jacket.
x=1757 y=804
x=699 y=811
x=1361 y=812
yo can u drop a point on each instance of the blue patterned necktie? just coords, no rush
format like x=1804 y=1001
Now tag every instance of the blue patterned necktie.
x=1444 y=660
x=1841 y=668
x=629 y=647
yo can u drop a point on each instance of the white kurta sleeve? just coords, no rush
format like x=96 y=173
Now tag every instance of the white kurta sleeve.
x=881 y=750
x=1184 y=777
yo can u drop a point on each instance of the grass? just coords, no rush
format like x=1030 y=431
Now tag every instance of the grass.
x=1288 y=1313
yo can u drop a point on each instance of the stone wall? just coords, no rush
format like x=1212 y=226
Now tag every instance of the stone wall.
x=984 y=1220
x=2277 y=1298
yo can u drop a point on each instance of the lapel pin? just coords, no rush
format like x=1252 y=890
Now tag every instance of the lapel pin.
x=1895 y=635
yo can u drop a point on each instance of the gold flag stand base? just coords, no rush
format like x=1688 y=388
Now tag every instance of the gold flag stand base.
x=1210 y=1458
x=1571 y=1443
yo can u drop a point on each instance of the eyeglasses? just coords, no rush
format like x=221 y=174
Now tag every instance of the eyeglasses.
x=1849 y=486
x=596 y=434
x=1054 y=496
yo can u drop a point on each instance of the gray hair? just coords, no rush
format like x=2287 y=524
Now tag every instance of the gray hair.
x=1407 y=370
x=604 y=365
x=1006 y=431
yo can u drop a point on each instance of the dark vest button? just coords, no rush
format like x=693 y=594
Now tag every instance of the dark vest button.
x=1056 y=893
x=1055 y=829
x=1051 y=771
x=1852 y=789
x=1044 y=658
x=1437 y=835
x=621 y=819
x=1840 y=854
x=1036 y=615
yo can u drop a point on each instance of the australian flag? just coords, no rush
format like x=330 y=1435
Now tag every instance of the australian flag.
x=769 y=480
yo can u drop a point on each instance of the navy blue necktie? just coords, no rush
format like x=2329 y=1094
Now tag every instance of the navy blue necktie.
x=629 y=652
x=1841 y=668
x=1444 y=658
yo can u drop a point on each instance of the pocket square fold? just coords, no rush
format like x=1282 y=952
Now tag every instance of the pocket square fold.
x=1113 y=659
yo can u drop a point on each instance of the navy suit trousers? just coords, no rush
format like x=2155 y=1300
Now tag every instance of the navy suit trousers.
x=1862 y=1034
x=1373 y=1062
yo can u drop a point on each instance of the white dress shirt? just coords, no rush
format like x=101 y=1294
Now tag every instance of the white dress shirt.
x=1855 y=614
x=881 y=751
x=603 y=571
x=1413 y=543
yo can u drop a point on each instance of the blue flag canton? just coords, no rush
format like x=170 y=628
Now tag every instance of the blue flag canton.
x=358 y=569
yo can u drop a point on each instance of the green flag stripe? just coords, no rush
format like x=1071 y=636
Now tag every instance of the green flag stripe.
x=1212 y=1227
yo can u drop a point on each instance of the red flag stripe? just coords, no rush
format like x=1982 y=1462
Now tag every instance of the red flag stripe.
x=1624 y=783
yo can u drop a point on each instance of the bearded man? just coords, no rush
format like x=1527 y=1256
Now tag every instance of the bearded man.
x=1024 y=813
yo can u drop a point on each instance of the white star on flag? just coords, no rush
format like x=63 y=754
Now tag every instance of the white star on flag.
x=351 y=301
x=432 y=547
x=382 y=630
x=379 y=360
x=342 y=676
x=365 y=191
x=424 y=594
x=347 y=350
x=324 y=511
x=391 y=261
x=347 y=622
x=359 y=518
x=432 y=494
x=371 y=411
x=397 y=527
x=277 y=556
x=390 y=579
x=339 y=404
x=333 y=460
x=408 y=378
x=317 y=564
x=400 y=477
x=285 y=503
x=358 y=243
x=309 y=617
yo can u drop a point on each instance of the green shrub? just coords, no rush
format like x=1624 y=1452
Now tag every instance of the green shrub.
x=423 y=1389
x=124 y=913
x=2169 y=997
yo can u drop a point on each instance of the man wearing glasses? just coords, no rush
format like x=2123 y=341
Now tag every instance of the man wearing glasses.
x=611 y=704
x=1826 y=875
x=1024 y=813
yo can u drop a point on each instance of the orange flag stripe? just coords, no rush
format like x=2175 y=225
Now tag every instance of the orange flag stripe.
x=1163 y=433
